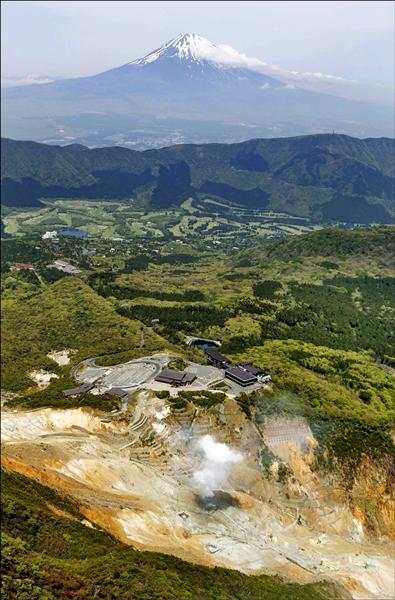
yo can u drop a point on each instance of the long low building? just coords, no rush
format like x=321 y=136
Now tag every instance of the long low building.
x=64 y=266
x=85 y=387
x=173 y=377
x=248 y=366
x=240 y=376
x=24 y=267
x=119 y=392
x=216 y=359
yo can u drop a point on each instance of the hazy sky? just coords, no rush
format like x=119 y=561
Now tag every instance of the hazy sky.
x=59 y=39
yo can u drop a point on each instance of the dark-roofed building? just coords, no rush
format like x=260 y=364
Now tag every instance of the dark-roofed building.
x=119 y=392
x=247 y=366
x=173 y=377
x=240 y=376
x=85 y=387
x=216 y=359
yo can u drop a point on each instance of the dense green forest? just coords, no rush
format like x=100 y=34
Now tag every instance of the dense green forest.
x=375 y=242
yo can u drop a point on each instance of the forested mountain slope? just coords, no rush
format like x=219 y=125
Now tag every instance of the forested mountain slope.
x=322 y=177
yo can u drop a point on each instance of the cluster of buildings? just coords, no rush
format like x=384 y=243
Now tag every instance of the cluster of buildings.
x=50 y=235
x=64 y=266
x=89 y=253
x=243 y=373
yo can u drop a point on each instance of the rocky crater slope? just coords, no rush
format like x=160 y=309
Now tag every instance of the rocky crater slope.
x=272 y=510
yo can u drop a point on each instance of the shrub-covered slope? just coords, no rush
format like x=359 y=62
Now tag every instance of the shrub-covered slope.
x=67 y=314
x=358 y=244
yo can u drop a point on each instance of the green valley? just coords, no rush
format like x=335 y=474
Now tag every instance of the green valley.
x=315 y=311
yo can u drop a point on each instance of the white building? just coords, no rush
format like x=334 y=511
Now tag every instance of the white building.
x=50 y=235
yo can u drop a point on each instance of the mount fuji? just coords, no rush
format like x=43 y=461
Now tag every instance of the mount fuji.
x=188 y=90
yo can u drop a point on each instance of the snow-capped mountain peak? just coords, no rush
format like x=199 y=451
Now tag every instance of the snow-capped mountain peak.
x=195 y=48
x=192 y=46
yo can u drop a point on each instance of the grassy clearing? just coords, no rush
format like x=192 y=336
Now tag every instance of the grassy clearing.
x=129 y=218
x=188 y=206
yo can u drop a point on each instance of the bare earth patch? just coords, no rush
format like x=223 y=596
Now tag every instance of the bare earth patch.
x=62 y=357
x=42 y=378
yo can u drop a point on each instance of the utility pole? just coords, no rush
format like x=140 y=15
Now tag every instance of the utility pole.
x=142 y=340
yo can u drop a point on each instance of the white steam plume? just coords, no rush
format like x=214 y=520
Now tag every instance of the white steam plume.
x=218 y=460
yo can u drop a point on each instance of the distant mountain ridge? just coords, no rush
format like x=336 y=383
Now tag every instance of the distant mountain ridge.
x=323 y=177
x=189 y=88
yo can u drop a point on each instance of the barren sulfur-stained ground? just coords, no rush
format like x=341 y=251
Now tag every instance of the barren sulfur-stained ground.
x=134 y=478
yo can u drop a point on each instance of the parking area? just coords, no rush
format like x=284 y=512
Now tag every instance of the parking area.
x=142 y=372
x=127 y=376
x=205 y=374
x=130 y=375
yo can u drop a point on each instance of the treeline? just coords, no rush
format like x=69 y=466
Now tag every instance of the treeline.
x=202 y=398
x=105 y=285
x=128 y=293
x=375 y=241
x=266 y=289
x=173 y=319
x=141 y=262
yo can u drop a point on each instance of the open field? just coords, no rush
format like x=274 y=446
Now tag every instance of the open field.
x=130 y=219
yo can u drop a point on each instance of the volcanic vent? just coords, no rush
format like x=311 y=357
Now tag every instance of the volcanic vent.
x=220 y=500
x=216 y=463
